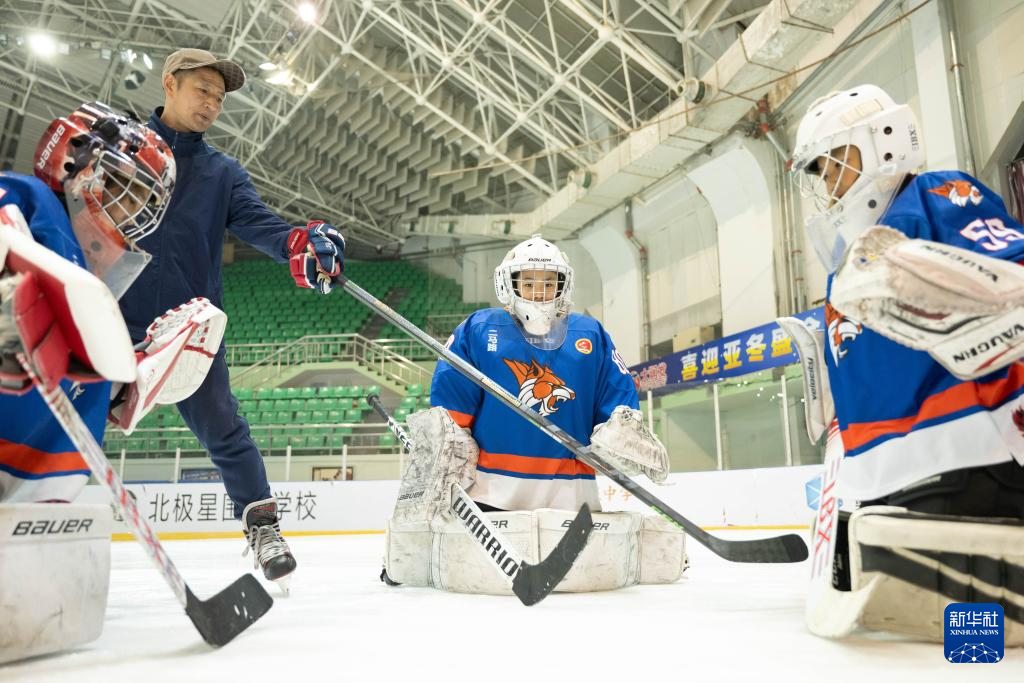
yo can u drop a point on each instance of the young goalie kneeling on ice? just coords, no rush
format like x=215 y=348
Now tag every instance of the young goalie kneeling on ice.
x=67 y=251
x=565 y=366
x=925 y=308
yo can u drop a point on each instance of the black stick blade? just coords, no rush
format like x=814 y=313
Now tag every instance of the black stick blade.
x=533 y=582
x=780 y=549
x=229 y=612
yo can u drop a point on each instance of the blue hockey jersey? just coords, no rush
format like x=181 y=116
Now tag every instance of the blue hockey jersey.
x=902 y=416
x=576 y=386
x=37 y=460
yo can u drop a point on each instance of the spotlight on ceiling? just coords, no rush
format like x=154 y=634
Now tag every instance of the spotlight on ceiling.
x=282 y=77
x=147 y=61
x=42 y=44
x=307 y=12
x=268 y=66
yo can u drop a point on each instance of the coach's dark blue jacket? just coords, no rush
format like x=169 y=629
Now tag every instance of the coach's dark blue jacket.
x=213 y=193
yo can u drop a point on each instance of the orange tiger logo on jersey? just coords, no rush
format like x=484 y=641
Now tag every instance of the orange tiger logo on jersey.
x=841 y=330
x=959 y=192
x=538 y=385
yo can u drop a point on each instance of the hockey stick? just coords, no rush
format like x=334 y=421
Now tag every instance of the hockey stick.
x=788 y=548
x=531 y=583
x=218 y=619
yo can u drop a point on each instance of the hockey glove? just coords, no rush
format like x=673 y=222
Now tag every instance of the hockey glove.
x=317 y=256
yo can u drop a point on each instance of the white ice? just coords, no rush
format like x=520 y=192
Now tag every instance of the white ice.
x=722 y=622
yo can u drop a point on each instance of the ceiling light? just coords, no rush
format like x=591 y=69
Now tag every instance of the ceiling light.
x=268 y=66
x=282 y=77
x=147 y=61
x=42 y=44
x=307 y=12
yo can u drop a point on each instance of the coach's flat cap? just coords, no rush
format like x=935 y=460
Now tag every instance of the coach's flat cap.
x=192 y=58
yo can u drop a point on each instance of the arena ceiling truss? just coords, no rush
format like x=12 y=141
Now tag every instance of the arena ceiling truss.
x=379 y=111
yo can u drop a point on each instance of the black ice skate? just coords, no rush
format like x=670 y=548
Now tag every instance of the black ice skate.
x=270 y=550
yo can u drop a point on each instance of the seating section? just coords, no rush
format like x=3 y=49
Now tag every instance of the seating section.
x=264 y=306
x=442 y=299
x=308 y=418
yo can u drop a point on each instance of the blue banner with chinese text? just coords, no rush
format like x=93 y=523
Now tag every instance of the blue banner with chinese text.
x=759 y=348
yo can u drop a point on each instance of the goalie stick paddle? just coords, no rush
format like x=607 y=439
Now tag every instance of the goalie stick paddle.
x=787 y=548
x=218 y=619
x=531 y=583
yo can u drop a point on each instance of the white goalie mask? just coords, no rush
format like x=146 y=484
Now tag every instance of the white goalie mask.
x=534 y=283
x=861 y=123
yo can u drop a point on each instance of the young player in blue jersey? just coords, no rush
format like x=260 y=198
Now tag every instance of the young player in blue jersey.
x=565 y=366
x=562 y=364
x=67 y=250
x=104 y=181
x=925 y=319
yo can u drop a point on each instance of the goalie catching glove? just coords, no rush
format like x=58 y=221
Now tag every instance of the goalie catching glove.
x=177 y=353
x=965 y=309
x=626 y=442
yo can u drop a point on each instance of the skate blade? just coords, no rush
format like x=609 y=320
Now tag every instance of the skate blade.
x=285 y=584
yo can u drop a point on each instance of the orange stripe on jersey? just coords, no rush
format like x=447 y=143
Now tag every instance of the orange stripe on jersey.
x=464 y=420
x=954 y=399
x=34 y=461
x=526 y=464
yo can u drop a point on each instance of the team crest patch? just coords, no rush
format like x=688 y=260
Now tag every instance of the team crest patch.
x=960 y=192
x=538 y=386
x=584 y=346
x=842 y=331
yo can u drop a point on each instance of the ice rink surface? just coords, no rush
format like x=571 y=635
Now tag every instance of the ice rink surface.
x=722 y=622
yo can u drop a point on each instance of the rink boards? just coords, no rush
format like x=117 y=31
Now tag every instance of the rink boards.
x=758 y=498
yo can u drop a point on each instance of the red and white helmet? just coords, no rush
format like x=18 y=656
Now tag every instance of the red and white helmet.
x=116 y=176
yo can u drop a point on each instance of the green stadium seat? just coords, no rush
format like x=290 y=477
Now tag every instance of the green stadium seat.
x=282 y=417
x=318 y=417
x=409 y=403
x=372 y=389
x=308 y=392
x=335 y=416
x=414 y=390
x=387 y=440
x=295 y=404
x=264 y=393
x=302 y=416
x=243 y=393
x=293 y=392
x=279 y=392
x=401 y=414
x=353 y=416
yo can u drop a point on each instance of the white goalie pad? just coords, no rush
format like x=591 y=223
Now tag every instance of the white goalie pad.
x=85 y=311
x=55 y=561
x=965 y=309
x=905 y=568
x=630 y=446
x=180 y=348
x=624 y=549
x=443 y=453
x=819 y=410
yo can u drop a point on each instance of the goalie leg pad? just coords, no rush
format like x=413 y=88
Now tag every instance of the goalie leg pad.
x=913 y=565
x=54 y=577
x=625 y=549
